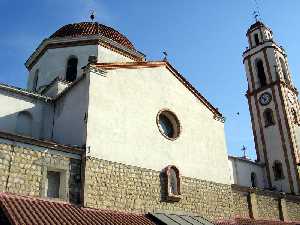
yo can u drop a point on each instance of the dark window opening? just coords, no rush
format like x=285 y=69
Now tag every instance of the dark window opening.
x=35 y=80
x=261 y=73
x=278 y=171
x=256 y=39
x=253 y=180
x=71 y=73
x=268 y=117
x=53 y=184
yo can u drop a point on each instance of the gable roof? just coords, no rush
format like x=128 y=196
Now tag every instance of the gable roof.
x=152 y=64
x=19 y=210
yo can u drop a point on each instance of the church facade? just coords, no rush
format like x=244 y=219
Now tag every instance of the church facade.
x=100 y=126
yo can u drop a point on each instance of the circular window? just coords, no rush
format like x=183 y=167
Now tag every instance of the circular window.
x=168 y=124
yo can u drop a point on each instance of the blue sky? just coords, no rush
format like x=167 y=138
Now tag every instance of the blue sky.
x=204 y=39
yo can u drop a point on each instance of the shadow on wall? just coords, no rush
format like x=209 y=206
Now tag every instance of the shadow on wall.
x=21 y=123
x=25 y=116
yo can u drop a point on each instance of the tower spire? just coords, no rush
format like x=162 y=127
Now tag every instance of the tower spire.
x=256 y=12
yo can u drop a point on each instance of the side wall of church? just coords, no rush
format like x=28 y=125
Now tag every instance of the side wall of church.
x=121 y=187
x=241 y=170
x=25 y=115
x=23 y=168
x=71 y=115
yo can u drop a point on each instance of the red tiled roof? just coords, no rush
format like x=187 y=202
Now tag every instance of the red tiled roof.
x=91 y=28
x=247 y=221
x=28 y=210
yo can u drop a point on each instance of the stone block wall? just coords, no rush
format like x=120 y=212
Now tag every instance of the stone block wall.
x=241 y=205
x=266 y=204
x=22 y=170
x=122 y=187
x=293 y=209
x=268 y=207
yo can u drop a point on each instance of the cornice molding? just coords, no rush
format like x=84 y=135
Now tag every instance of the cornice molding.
x=79 y=41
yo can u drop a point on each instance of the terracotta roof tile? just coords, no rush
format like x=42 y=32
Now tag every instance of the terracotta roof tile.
x=28 y=210
x=91 y=28
x=248 y=221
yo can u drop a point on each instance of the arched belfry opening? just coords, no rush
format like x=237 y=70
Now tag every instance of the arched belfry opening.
x=261 y=73
x=71 y=72
x=268 y=117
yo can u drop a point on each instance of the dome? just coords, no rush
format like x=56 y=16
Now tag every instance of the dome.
x=92 y=28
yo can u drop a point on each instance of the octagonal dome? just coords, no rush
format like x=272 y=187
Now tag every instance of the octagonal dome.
x=90 y=29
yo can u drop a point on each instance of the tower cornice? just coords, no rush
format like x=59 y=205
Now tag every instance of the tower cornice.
x=265 y=45
x=278 y=82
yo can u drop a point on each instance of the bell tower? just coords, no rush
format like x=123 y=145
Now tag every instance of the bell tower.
x=274 y=108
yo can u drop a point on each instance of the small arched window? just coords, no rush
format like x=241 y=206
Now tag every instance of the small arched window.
x=261 y=73
x=253 y=180
x=24 y=123
x=173 y=183
x=268 y=117
x=283 y=69
x=277 y=170
x=35 y=80
x=71 y=72
x=256 y=39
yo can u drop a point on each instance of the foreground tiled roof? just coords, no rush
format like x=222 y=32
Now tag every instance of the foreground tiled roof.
x=246 y=221
x=91 y=28
x=31 y=211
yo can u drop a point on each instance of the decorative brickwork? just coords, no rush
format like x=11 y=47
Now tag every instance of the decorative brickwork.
x=121 y=187
x=22 y=171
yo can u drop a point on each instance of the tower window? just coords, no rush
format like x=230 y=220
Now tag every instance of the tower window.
x=253 y=180
x=256 y=39
x=71 y=72
x=261 y=73
x=268 y=117
x=278 y=171
x=283 y=69
x=35 y=80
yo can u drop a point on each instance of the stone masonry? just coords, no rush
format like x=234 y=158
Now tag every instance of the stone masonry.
x=127 y=188
x=121 y=187
x=22 y=171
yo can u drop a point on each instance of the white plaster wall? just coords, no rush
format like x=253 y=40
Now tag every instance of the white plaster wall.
x=107 y=56
x=241 y=173
x=70 y=109
x=15 y=103
x=53 y=63
x=122 y=127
